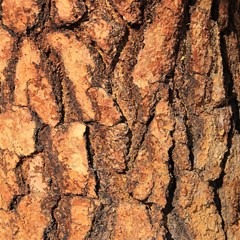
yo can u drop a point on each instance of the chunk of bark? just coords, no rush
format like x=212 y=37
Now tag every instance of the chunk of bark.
x=70 y=146
x=17 y=131
x=67 y=11
x=20 y=15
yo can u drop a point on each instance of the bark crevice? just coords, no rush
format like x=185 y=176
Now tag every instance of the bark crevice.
x=231 y=99
x=215 y=10
x=217 y=184
x=189 y=142
x=231 y=96
x=91 y=160
x=120 y=48
x=51 y=229
x=171 y=189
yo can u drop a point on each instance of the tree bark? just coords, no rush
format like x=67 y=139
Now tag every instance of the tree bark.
x=119 y=119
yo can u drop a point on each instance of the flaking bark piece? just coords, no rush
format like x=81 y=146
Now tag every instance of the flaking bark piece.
x=31 y=219
x=194 y=212
x=64 y=12
x=210 y=149
x=79 y=64
x=156 y=59
x=129 y=9
x=32 y=86
x=20 y=15
x=107 y=113
x=229 y=192
x=6 y=46
x=149 y=177
x=106 y=31
x=132 y=222
x=8 y=180
x=74 y=215
x=94 y=103
x=42 y=100
x=17 y=131
x=70 y=145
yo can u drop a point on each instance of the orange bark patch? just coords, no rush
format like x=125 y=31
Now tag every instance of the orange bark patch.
x=132 y=222
x=81 y=218
x=17 y=131
x=78 y=63
x=129 y=9
x=19 y=15
x=67 y=11
x=72 y=154
x=6 y=46
x=8 y=180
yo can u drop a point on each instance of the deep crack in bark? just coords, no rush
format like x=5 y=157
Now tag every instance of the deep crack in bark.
x=51 y=229
x=235 y=122
x=91 y=159
x=171 y=189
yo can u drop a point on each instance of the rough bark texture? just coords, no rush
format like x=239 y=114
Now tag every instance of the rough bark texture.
x=119 y=119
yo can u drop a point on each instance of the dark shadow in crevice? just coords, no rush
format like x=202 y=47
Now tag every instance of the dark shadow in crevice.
x=1 y=1
x=74 y=25
x=189 y=142
x=171 y=191
x=54 y=73
x=90 y=154
x=43 y=16
x=231 y=98
x=217 y=184
x=14 y=203
x=120 y=48
x=215 y=10
x=192 y=2
x=229 y=85
x=52 y=227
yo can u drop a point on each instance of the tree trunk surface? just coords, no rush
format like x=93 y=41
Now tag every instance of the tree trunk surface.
x=119 y=119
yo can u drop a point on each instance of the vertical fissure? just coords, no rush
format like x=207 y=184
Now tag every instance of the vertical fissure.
x=231 y=98
x=53 y=226
x=1 y=10
x=171 y=189
x=217 y=184
x=120 y=48
x=42 y=18
x=192 y=2
x=53 y=198
x=11 y=70
x=189 y=143
x=56 y=79
x=184 y=26
x=24 y=188
x=215 y=10
x=90 y=154
x=229 y=84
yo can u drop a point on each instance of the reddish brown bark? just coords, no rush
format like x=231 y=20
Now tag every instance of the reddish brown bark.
x=119 y=119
